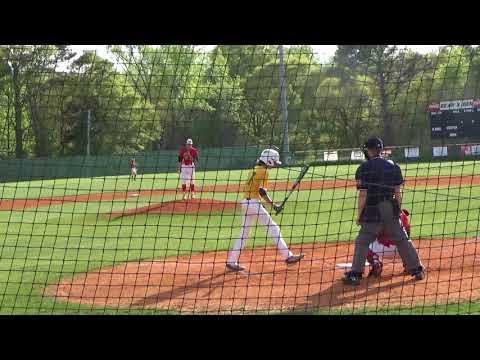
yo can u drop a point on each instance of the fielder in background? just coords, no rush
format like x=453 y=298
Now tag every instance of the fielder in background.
x=187 y=159
x=256 y=190
x=384 y=248
x=379 y=184
x=133 y=169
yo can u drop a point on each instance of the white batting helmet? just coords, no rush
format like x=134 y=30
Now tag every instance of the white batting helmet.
x=270 y=157
x=189 y=142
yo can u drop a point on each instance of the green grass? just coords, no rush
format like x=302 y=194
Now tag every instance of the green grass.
x=41 y=246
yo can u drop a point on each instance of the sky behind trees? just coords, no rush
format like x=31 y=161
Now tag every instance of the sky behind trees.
x=323 y=52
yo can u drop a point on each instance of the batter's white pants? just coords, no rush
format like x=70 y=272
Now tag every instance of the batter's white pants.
x=187 y=174
x=253 y=210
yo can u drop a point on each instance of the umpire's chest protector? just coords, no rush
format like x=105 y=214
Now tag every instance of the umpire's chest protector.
x=378 y=177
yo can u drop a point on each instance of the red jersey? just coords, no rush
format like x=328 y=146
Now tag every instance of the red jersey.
x=133 y=164
x=383 y=238
x=188 y=156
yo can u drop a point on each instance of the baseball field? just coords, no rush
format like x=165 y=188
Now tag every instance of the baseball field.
x=111 y=245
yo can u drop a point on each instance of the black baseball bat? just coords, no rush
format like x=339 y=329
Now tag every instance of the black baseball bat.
x=295 y=184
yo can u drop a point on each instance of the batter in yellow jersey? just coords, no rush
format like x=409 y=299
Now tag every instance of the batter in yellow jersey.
x=258 y=179
x=255 y=190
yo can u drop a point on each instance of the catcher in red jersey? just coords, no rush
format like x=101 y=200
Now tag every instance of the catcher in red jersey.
x=133 y=168
x=187 y=158
x=383 y=247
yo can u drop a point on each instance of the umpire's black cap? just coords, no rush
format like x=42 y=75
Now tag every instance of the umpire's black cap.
x=374 y=143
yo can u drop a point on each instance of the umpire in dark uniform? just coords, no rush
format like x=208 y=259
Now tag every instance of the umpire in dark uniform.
x=379 y=203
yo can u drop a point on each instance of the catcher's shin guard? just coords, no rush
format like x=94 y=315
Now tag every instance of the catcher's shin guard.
x=376 y=266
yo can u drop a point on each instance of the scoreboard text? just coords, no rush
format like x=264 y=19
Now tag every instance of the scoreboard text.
x=455 y=119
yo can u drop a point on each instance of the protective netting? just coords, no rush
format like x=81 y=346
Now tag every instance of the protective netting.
x=94 y=218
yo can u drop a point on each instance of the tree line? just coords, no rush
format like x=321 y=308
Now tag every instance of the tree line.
x=145 y=98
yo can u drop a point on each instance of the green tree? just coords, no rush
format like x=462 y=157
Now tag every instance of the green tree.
x=224 y=96
x=388 y=70
x=261 y=111
x=241 y=61
x=169 y=78
x=29 y=69
x=119 y=122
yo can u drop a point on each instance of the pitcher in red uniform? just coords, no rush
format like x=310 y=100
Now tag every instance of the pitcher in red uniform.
x=383 y=247
x=187 y=159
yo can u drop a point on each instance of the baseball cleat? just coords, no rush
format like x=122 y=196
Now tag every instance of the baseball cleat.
x=352 y=278
x=419 y=273
x=294 y=258
x=235 y=267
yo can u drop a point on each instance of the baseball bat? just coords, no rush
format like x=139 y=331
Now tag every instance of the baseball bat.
x=295 y=184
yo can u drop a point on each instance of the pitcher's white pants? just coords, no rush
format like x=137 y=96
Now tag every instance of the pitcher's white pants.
x=255 y=211
x=187 y=174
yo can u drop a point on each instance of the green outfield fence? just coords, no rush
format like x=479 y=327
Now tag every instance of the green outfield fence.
x=228 y=158
x=115 y=165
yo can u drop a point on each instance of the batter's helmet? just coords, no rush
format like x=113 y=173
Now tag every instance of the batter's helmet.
x=270 y=157
x=189 y=142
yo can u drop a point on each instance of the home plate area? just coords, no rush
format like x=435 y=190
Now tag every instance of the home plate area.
x=200 y=283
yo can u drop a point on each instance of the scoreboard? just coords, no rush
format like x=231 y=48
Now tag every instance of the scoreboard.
x=455 y=119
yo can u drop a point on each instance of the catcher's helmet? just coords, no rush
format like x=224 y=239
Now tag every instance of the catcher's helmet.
x=270 y=157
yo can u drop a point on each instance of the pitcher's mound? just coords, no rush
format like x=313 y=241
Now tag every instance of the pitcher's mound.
x=190 y=206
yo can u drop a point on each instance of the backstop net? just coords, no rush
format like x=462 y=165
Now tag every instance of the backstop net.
x=107 y=209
